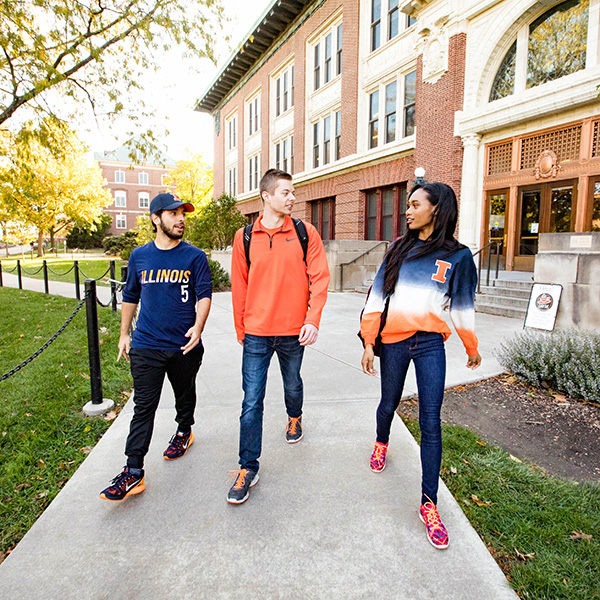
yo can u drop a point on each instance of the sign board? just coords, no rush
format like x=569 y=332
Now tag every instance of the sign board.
x=543 y=306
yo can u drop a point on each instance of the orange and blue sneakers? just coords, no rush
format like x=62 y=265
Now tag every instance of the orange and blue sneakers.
x=124 y=484
x=436 y=532
x=179 y=445
x=378 y=457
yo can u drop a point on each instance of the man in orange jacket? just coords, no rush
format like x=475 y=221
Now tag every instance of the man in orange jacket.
x=279 y=287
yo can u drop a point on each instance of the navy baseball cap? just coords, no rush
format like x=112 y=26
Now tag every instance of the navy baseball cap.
x=168 y=201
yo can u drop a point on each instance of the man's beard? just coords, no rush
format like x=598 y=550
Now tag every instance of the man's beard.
x=170 y=234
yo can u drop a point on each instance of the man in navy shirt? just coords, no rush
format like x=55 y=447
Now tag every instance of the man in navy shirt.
x=172 y=280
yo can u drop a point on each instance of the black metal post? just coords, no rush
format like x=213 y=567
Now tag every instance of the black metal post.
x=91 y=311
x=123 y=273
x=1 y=283
x=76 y=271
x=479 y=273
x=113 y=286
x=498 y=250
x=489 y=257
x=46 y=289
x=19 y=274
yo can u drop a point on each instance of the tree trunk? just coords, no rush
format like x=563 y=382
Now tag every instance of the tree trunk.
x=51 y=240
x=40 y=251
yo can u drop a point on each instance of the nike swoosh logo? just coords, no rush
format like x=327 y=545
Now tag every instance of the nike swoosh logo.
x=128 y=487
x=289 y=239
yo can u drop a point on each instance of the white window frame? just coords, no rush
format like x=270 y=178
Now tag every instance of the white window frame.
x=383 y=21
x=283 y=85
x=120 y=199
x=232 y=181
x=325 y=139
x=144 y=200
x=252 y=108
x=119 y=176
x=120 y=221
x=383 y=112
x=231 y=132
x=325 y=54
x=253 y=172
x=283 y=154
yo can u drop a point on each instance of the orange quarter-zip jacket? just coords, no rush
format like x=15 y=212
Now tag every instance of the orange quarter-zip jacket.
x=280 y=293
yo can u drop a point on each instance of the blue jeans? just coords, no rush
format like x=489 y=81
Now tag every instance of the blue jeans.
x=426 y=349
x=256 y=358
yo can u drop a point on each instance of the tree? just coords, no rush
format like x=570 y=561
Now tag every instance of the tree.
x=48 y=181
x=215 y=226
x=94 y=52
x=192 y=179
x=89 y=235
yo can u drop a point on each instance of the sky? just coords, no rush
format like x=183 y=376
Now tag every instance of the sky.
x=180 y=88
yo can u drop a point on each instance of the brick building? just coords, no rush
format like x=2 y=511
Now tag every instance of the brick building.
x=352 y=95
x=132 y=185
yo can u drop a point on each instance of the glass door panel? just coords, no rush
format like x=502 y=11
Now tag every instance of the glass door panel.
x=530 y=222
x=595 y=206
x=387 y=215
x=561 y=201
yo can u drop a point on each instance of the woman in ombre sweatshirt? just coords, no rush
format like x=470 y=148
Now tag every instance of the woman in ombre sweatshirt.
x=423 y=271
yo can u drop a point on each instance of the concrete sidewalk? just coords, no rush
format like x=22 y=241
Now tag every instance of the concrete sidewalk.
x=318 y=525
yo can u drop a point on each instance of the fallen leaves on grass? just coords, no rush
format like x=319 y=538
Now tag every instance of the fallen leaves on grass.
x=524 y=557
x=478 y=501
x=110 y=415
x=579 y=535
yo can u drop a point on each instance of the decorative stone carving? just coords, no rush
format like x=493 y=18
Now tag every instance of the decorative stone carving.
x=433 y=44
x=546 y=165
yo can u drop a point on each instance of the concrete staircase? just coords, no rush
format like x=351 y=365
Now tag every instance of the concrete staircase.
x=504 y=298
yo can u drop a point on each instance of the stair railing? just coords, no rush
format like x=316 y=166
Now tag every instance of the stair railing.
x=342 y=265
x=496 y=244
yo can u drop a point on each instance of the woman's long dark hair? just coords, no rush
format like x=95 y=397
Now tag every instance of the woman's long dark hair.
x=445 y=216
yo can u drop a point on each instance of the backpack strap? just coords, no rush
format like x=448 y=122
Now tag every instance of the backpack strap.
x=247 y=238
x=302 y=236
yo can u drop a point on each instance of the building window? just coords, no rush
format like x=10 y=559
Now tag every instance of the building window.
x=374 y=119
x=327 y=72
x=144 y=200
x=119 y=176
x=385 y=212
x=410 y=101
x=284 y=154
x=164 y=179
x=253 y=118
x=232 y=133
x=232 y=181
x=143 y=178
x=284 y=90
x=338 y=53
x=317 y=66
x=375 y=24
x=326 y=140
x=556 y=47
x=327 y=55
x=323 y=217
x=120 y=199
x=338 y=135
x=121 y=222
x=390 y=112
x=316 y=145
x=253 y=172
x=393 y=18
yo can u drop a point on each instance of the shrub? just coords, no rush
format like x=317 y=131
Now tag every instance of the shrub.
x=567 y=360
x=220 y=277
x=120 y=244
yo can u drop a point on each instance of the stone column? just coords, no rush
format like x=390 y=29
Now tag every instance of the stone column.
x=468 y=212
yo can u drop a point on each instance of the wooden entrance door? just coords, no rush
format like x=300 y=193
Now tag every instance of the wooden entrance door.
x=544 y=208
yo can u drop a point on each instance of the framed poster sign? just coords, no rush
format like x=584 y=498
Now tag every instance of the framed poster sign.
x=543 y=306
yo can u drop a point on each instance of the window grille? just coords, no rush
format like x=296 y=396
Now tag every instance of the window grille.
x=565 y=143
x=500 y=158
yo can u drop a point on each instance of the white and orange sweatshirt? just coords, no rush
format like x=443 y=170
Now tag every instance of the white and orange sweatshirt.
x=280 y=293
x=425 y=286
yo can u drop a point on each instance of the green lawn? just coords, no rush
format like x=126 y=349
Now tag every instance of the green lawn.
x=44 y=436
x=60 y=267
x=526 y=517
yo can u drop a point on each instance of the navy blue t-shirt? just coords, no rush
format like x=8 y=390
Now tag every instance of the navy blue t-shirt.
x=169 y=283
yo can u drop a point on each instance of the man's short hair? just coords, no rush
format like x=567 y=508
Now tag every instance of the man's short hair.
x=269 y=180
x=157 y=213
